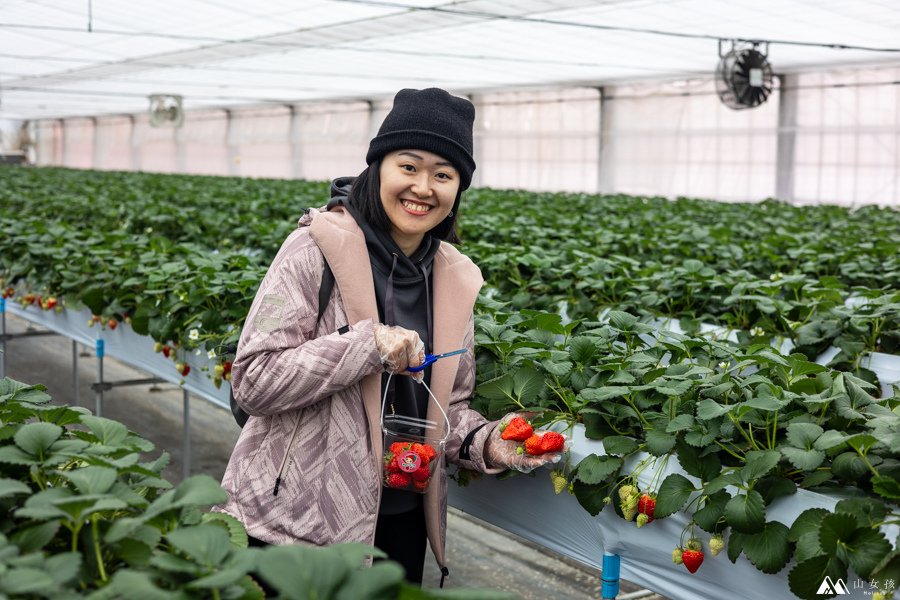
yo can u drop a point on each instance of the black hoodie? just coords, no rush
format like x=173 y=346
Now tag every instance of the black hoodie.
x=403 y=295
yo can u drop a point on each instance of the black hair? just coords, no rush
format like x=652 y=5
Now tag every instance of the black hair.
x=365 y=197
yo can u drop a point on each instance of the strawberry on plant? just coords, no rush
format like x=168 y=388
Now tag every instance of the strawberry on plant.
x=183 y=368
x=559 y=481
x=218 y=371
x=112 y=324
x=692 y=557
x=157 y=347
x=227 y=366
x=676 y=556
x=646 y=506
x=166 y=350
x=517 y=430
x=627 y=490
x=51 y=303
x=643 y=519
x=716 y=544
x=629 y=507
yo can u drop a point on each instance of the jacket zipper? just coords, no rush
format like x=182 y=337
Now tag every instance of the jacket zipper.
x=287 y=453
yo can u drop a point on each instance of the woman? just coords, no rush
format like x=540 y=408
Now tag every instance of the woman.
x=308 y=465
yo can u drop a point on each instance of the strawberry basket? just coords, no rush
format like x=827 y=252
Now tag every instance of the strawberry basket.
x=413 y=449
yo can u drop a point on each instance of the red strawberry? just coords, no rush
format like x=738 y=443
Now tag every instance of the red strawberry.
x=398 y=447
x=183 y=368
x=421 y=485
x=692 y=557
x=552 y=442
x=398 y=480
x=422 y=474
x=392 y=465
x=425 y=452
x=10 y=292
x=533 y=445
x=51 y=303
x=226 y=366
x=166 y=350
x=517 y=430
x=112 y=323
x=646 y=506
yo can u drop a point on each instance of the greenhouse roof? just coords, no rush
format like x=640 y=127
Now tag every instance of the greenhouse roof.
x=60 y=58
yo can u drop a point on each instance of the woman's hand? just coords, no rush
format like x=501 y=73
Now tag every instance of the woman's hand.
x=510 y=454
x=399 y=348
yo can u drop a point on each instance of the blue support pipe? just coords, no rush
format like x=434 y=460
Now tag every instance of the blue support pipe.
x=98 y=399
x=609 y=576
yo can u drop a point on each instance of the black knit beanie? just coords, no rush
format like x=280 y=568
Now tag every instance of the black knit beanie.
x=431 y=120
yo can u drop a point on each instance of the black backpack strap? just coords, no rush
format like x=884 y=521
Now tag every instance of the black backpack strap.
x=325 y=290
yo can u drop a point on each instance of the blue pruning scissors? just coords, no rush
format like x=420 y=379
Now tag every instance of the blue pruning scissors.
x=430 y=358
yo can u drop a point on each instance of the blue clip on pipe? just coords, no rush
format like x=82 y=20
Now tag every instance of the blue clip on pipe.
x=609 y=576
x=99 y=348
x=2 y=305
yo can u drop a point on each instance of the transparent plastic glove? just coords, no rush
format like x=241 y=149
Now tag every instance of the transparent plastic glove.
x=511 y=454
x=399 y=348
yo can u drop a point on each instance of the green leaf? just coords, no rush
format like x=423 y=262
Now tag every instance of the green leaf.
x=807 y=522
x=746 y=513
x=816 y=478
x=91 y=479
x=590 y=497
x=708 y=409
x=864 y=549
x=107 y=431
x=806 y=577
x=805 y=460
x=680 y=423
x=769 y=550
x=603 y=393
x=527 y=384
x=708 y=517
x=836 y=528
x=12 y=487
x=63 y=567
x=235 y=528
x=886 y=487
x=36 y=438
x=381 y=580
x=315 y=571
x=21 y=581
x=595 y=469
x=735 y=545
x=619 y=444
x=830 y=439
x=621 y=321
x=849 y=466
x=759 y=463
x=705 y=467
x=207 y=544
x=773 y=487
x=32 y=539
x=803 y=435
x=658 y=442
x=868 y=512
x=673 y=494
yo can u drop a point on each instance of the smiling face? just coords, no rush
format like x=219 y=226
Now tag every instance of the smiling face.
x=418 y=189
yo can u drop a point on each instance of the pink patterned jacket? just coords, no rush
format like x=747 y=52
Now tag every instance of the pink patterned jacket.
x=315 y=399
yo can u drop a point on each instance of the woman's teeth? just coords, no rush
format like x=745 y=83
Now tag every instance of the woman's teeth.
x=421 y=208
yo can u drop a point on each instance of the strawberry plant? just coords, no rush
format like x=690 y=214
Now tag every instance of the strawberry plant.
x=83 y=516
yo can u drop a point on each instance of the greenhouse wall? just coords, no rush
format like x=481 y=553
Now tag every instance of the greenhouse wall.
x=822 y=137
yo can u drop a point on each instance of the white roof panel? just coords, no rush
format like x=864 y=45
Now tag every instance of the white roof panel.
x=226 y=52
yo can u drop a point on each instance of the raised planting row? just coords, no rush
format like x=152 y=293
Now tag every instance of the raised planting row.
x=147 y=246
x=746 y=423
